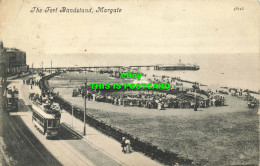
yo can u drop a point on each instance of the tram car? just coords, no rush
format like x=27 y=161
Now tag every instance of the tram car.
x=11 y=99
x=47 y=120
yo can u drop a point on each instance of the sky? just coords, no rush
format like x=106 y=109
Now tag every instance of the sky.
x=145 y=31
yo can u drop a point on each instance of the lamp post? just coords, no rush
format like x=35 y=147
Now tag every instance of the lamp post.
x=85 y=107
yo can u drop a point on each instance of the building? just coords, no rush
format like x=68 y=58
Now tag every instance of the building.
x=12 y=61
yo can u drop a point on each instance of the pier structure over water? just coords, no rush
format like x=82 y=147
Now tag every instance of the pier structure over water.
x=98 y=68
x=95 y=68
x=89 y=68
x=132 y=68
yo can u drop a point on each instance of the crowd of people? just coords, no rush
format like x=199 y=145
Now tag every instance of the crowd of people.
x=252 y=102
x=31 y=81
x=175 y=97
x=43 y=99
x=155 y=99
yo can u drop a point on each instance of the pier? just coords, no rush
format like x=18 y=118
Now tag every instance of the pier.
x=94 y=68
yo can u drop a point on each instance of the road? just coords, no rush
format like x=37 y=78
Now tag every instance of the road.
x=68 y=150
x=19 y=146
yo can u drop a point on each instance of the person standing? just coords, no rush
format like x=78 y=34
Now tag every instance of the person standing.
x=196 y=106
x=94 y=97
x=119 y=101
x=127 y=144
x=123 y=145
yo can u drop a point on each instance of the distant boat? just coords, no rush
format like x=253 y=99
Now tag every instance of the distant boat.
x=178 y=66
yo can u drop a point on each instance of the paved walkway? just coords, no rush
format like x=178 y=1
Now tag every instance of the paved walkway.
x=94 y=149
x=106 y=144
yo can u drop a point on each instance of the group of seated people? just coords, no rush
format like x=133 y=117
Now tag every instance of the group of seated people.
x=154 y=99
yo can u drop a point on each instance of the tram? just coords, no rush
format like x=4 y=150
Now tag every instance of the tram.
x=47 y=121
x=11 y=99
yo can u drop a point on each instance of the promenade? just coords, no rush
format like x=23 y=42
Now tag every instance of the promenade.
x=93 y=149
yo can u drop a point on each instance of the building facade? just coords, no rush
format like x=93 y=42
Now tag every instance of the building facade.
x=12 y=61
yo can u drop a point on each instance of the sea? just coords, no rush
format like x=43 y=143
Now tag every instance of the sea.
x=226 y=71
x=231 y=70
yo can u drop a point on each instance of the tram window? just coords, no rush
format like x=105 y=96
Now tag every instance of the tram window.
x=56 y=123
x=50 y=123
x=45 y=123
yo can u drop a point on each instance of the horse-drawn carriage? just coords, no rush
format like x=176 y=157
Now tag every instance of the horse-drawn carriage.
x=78 y=92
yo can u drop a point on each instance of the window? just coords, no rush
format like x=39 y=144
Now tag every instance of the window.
x=50 y=123
x=56 y=123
